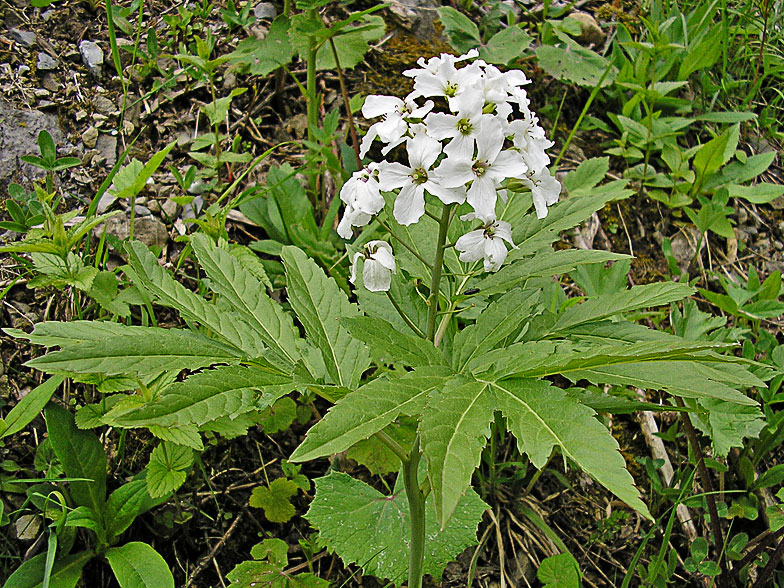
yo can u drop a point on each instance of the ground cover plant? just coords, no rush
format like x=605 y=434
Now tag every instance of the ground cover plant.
x=356 y=294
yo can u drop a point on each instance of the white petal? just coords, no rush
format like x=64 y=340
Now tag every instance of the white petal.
x=367 y=140
x=422 y=151
x=393 y=175
x=482 y=197
x=508 y=164
x=490 y=140
x=471 y=245
x=454 y=172
x=375 y=276
x=410 y=204
x=380 y=105
x=495 y=254
x=445 y=195
x=461 y=147
x=385 y=258
x=354 y=259
x=441 y=126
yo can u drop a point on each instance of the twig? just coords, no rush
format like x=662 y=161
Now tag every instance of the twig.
x=211 y=555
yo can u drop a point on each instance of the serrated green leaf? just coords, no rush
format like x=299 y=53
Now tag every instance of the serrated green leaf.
x=761 y=193
x=368 y=410
x=506 y=45
x=454 y=429
x=259 y=574
x=155 y=350
x=276 y=551
x=169 y=466
x=351 y=44
x=206 y=396
x=497 y=322
x=635 y=298
x=137 y=565
x=91 y=416
x=186 y=435
x=247 y=297
x=532 y=234
x=132 y=178
x=350 y=516
x=544 y=263
x=729 y=424
x=542 y=417
x=462 y=33
x=320 y=305
x=589 y=173
x=275 y=500
x=53 y=333
x=169 y=292
x=577 y=65
x=390 y=344
x=81 y=455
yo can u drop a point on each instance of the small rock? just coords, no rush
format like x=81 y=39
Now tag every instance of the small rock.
x=107 y=147
x=92 y=57
x=169 y=208
x=147 y=229
x=128 y=127
x=90 y=137
x=417 y=16
x=26 y=38
x=51 y=83
x=41 y=93
x=591 y=32
x=229 y=81
x=512 y=6
x=154 y=206
x=778 y=203
x=80 y=115
x=46 y=62
x=265 y=10
x=684 y=246
x=43 y=104
x=104 y=105
x=141 y=210
x=22 y=70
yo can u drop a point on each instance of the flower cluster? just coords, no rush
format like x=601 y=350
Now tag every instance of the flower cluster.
x=467 y=127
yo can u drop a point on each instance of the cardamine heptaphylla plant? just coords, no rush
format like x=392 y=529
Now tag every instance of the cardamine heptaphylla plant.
x=459 y=330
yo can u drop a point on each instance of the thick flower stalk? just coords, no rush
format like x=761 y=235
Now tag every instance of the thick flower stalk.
x=467 y=129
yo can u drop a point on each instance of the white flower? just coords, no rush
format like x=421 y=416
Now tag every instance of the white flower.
x=352 y=218
x=379 y=266
x=486 y=242
x=530 y=139
x=393 y=128
x=414 y=180
x=462 y=127
x=361 y=191
x=544 y=190
x=486 y=171
x=440 y=77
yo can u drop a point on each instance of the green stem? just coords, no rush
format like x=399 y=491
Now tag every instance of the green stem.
x=402 y=314
x=416 y=508
x=432 y=311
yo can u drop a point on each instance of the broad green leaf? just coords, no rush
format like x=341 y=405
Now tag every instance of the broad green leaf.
x=737 y=172
x=65 y=574
x=454 y=429
x=587 y=175
x=218 y=109
x=260 y=574
x=703 y=54
x=52 y=333
x=376 y=304
x=372 y=530
x=247 y=297
x=761 y=193
x=29 y=407
x=542 y=417
x=137 y=565
x=544 y=263
x=498 y=321
x=351 y=44
x=169 y=292
x=91 y=416
x=506 y=45
x=713 y=154
x=276 y=551
x=262 y=56
x=126 y=503
x=206 y=396
x=320 y=305
x=462 y=33
x=391 y=345
x=155 y=350
x=81 y=455
x=728 y=424
x=187 y=435
x=132 y=178
x=577 y=65
x=372 y=407
x=169 y=466
x=559 y=571
x=275 y=500
x=279 y=416
x=378 y=458
x=635 y=298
